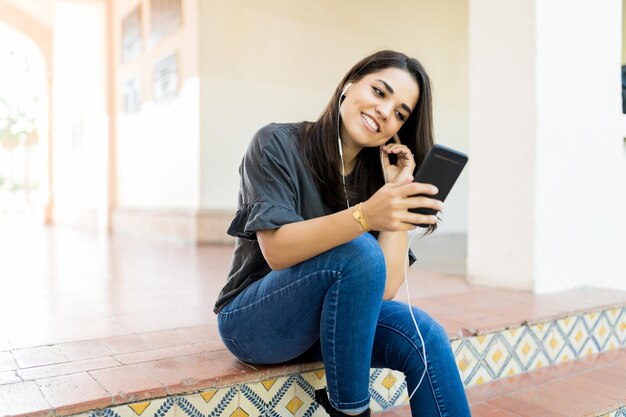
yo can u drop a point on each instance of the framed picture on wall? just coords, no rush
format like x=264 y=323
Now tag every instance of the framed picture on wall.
x=131 y=93
x=165 y=77
x=165 y=18
x=131 y=37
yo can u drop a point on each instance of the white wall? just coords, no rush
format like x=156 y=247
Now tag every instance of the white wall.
x=157 y=148
x=546 y=208
x=80 y=124
x=157 y=153
x=580 y=210
x=280 y=61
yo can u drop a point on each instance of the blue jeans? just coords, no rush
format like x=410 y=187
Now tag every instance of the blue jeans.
x=331 y=308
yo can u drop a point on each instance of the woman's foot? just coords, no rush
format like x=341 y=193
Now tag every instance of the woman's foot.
x=322 y=399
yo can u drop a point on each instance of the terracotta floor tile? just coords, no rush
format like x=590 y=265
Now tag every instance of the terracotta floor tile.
x=70 y=394
x=490 y=390
x=144 y=341
x=211 y=346
x=38 y=356
x=188 y=373
x=522 y=407
x=21 y=398
x=9 y=377
x=597 y=386
x=200 y=334
x=403 y=411
x=609 y=374
x=550 y=398
x=67 y=368
x=149 y=322
x=487 y=410
x=567 y=398
x=156 y=354
x=66 y=331
x=129 y=383
x=7 y=362
x=86 y=349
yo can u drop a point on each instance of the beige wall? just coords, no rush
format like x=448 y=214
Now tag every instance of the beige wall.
x=280 y=60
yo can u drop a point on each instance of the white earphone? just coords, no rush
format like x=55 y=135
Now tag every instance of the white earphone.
x=406 y=265
x=343 y=93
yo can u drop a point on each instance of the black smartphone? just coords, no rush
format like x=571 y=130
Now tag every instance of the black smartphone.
x=441 y=167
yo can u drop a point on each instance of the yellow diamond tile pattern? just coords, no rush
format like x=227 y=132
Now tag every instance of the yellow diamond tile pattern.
x=389 y=381
x=139 y=408
x=239 y=412
x=294 y=405
x=268 y=383
x=480 y=359
x=513 y=351
x=208 y=395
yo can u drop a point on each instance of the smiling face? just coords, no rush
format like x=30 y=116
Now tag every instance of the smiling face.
x=376 y=107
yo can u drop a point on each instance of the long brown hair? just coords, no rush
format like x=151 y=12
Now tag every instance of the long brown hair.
x=318 y=140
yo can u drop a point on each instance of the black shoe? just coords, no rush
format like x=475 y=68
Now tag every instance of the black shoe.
x=322 y=399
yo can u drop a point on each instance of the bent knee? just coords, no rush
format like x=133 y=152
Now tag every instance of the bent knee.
x=364 y=257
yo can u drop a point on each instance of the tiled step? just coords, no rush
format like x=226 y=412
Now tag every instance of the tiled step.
x=591 y=386
x=212 y=383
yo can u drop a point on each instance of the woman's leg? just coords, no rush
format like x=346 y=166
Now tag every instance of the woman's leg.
x=334 y=298
x=398 y=346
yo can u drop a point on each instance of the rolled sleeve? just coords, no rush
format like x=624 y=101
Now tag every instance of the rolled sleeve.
x=269 y=193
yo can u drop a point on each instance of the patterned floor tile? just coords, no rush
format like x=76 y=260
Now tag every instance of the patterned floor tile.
x=539 y=360
x=511 y=368
x=602 y=331
x=526 y=349
x=163 y=407
x=387 y=389
x=554 y=342
x=224 y=402
x=567 y=324
x=316 y=379
x=566 y=354
x=497 y=356
x=194 y=405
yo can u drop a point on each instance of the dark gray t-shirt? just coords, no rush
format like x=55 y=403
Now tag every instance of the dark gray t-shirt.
x=276 y=188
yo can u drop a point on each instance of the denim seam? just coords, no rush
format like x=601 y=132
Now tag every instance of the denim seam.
x=333 y=344
x=278 y=291
x=244 y=354
x=341 y=405
x=419 y=353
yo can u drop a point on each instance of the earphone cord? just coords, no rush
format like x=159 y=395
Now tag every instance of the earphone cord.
x=343 y=168
x=408 y=294
x=406 y=263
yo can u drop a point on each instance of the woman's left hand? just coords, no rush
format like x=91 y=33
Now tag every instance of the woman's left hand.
x=405 y=165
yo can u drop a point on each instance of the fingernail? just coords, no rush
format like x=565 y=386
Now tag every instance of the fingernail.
x=435 y=190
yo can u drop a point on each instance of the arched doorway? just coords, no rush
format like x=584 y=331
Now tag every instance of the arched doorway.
x=36 y=38
x=23 y=125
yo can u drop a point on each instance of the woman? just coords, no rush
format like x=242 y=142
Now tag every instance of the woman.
x=307 y=280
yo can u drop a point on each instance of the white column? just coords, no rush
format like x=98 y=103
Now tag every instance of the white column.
x=546 y=204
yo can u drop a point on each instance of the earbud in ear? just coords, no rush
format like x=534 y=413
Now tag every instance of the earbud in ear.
x=343 y=93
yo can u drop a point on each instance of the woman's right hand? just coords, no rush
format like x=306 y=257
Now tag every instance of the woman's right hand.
x=388 y=209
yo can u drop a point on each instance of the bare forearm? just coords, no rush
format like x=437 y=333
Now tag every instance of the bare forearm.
x=394 y=246
x=297 y=242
